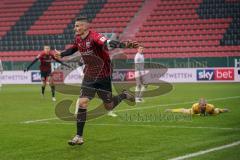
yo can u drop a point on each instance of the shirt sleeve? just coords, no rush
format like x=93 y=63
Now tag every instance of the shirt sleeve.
x=74 y=45
x=71 y=50
x=99 y=39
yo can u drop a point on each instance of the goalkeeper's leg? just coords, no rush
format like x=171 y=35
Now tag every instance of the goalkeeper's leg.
x=219 y=110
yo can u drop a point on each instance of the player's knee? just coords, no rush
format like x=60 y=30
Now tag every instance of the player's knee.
x=44 y=83
x=108 y=106
x=83 y=102
x=51 y=82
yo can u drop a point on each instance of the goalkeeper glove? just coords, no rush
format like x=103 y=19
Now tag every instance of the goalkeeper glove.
x=126 y=44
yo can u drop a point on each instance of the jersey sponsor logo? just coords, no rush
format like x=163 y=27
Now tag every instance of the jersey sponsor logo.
x=215 y=74
x=36 y=77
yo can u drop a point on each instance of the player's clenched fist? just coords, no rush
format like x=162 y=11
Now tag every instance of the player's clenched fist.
x=57 y=54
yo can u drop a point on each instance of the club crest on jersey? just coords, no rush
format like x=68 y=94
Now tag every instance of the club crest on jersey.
x=88 y=45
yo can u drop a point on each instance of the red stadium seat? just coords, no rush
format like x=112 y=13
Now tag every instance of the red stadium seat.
x=10 y=13
x=60 y=11
x=173 y=29
x=115 y=15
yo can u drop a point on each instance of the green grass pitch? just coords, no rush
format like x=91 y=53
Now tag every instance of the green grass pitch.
x=108 y=138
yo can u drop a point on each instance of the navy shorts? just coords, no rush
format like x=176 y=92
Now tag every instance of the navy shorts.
x=103 y=88
x=45 y=74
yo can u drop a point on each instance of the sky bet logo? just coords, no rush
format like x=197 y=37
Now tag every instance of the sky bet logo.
x=36 y=77
x=123 y=76
x=215 y=74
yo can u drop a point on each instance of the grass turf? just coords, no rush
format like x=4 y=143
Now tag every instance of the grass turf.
x=122 y=137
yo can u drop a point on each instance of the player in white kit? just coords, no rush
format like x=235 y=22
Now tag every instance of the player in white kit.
x=1 y=71
x=139 y=74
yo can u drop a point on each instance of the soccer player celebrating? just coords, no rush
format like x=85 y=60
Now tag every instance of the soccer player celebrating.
x=200 y=108
x=45 y=58
x=139 y=73
x=93 y=48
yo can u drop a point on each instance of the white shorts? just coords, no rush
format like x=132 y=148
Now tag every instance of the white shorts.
x=139 y=76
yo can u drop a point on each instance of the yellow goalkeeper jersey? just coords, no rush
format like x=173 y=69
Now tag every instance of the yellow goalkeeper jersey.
x=196 y=108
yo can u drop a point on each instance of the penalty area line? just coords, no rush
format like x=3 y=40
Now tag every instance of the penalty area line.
x=187 y=156
x=140 y=108
x=174 y=104
x=39 y=120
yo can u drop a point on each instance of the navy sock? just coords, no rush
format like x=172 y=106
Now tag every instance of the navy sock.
x=53 y=91
x=43 y=90
x=81 y=119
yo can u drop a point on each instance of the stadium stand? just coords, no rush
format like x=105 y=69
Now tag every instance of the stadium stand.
x=56 y=18
x=115 y=15
x=10 y=13
x=20 y=37
x=173 y=29
x=191 y=28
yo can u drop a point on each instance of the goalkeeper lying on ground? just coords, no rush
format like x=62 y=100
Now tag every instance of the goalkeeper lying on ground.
x=200 y=108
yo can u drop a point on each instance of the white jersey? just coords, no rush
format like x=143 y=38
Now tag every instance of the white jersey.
x=1 y=67
x=139 y=61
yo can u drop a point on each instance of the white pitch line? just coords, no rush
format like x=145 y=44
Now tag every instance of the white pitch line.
x=144 y=125
x=206 y=151
x=141 y=108
x=40 y=120
x=174 y=104
x=180 y=127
